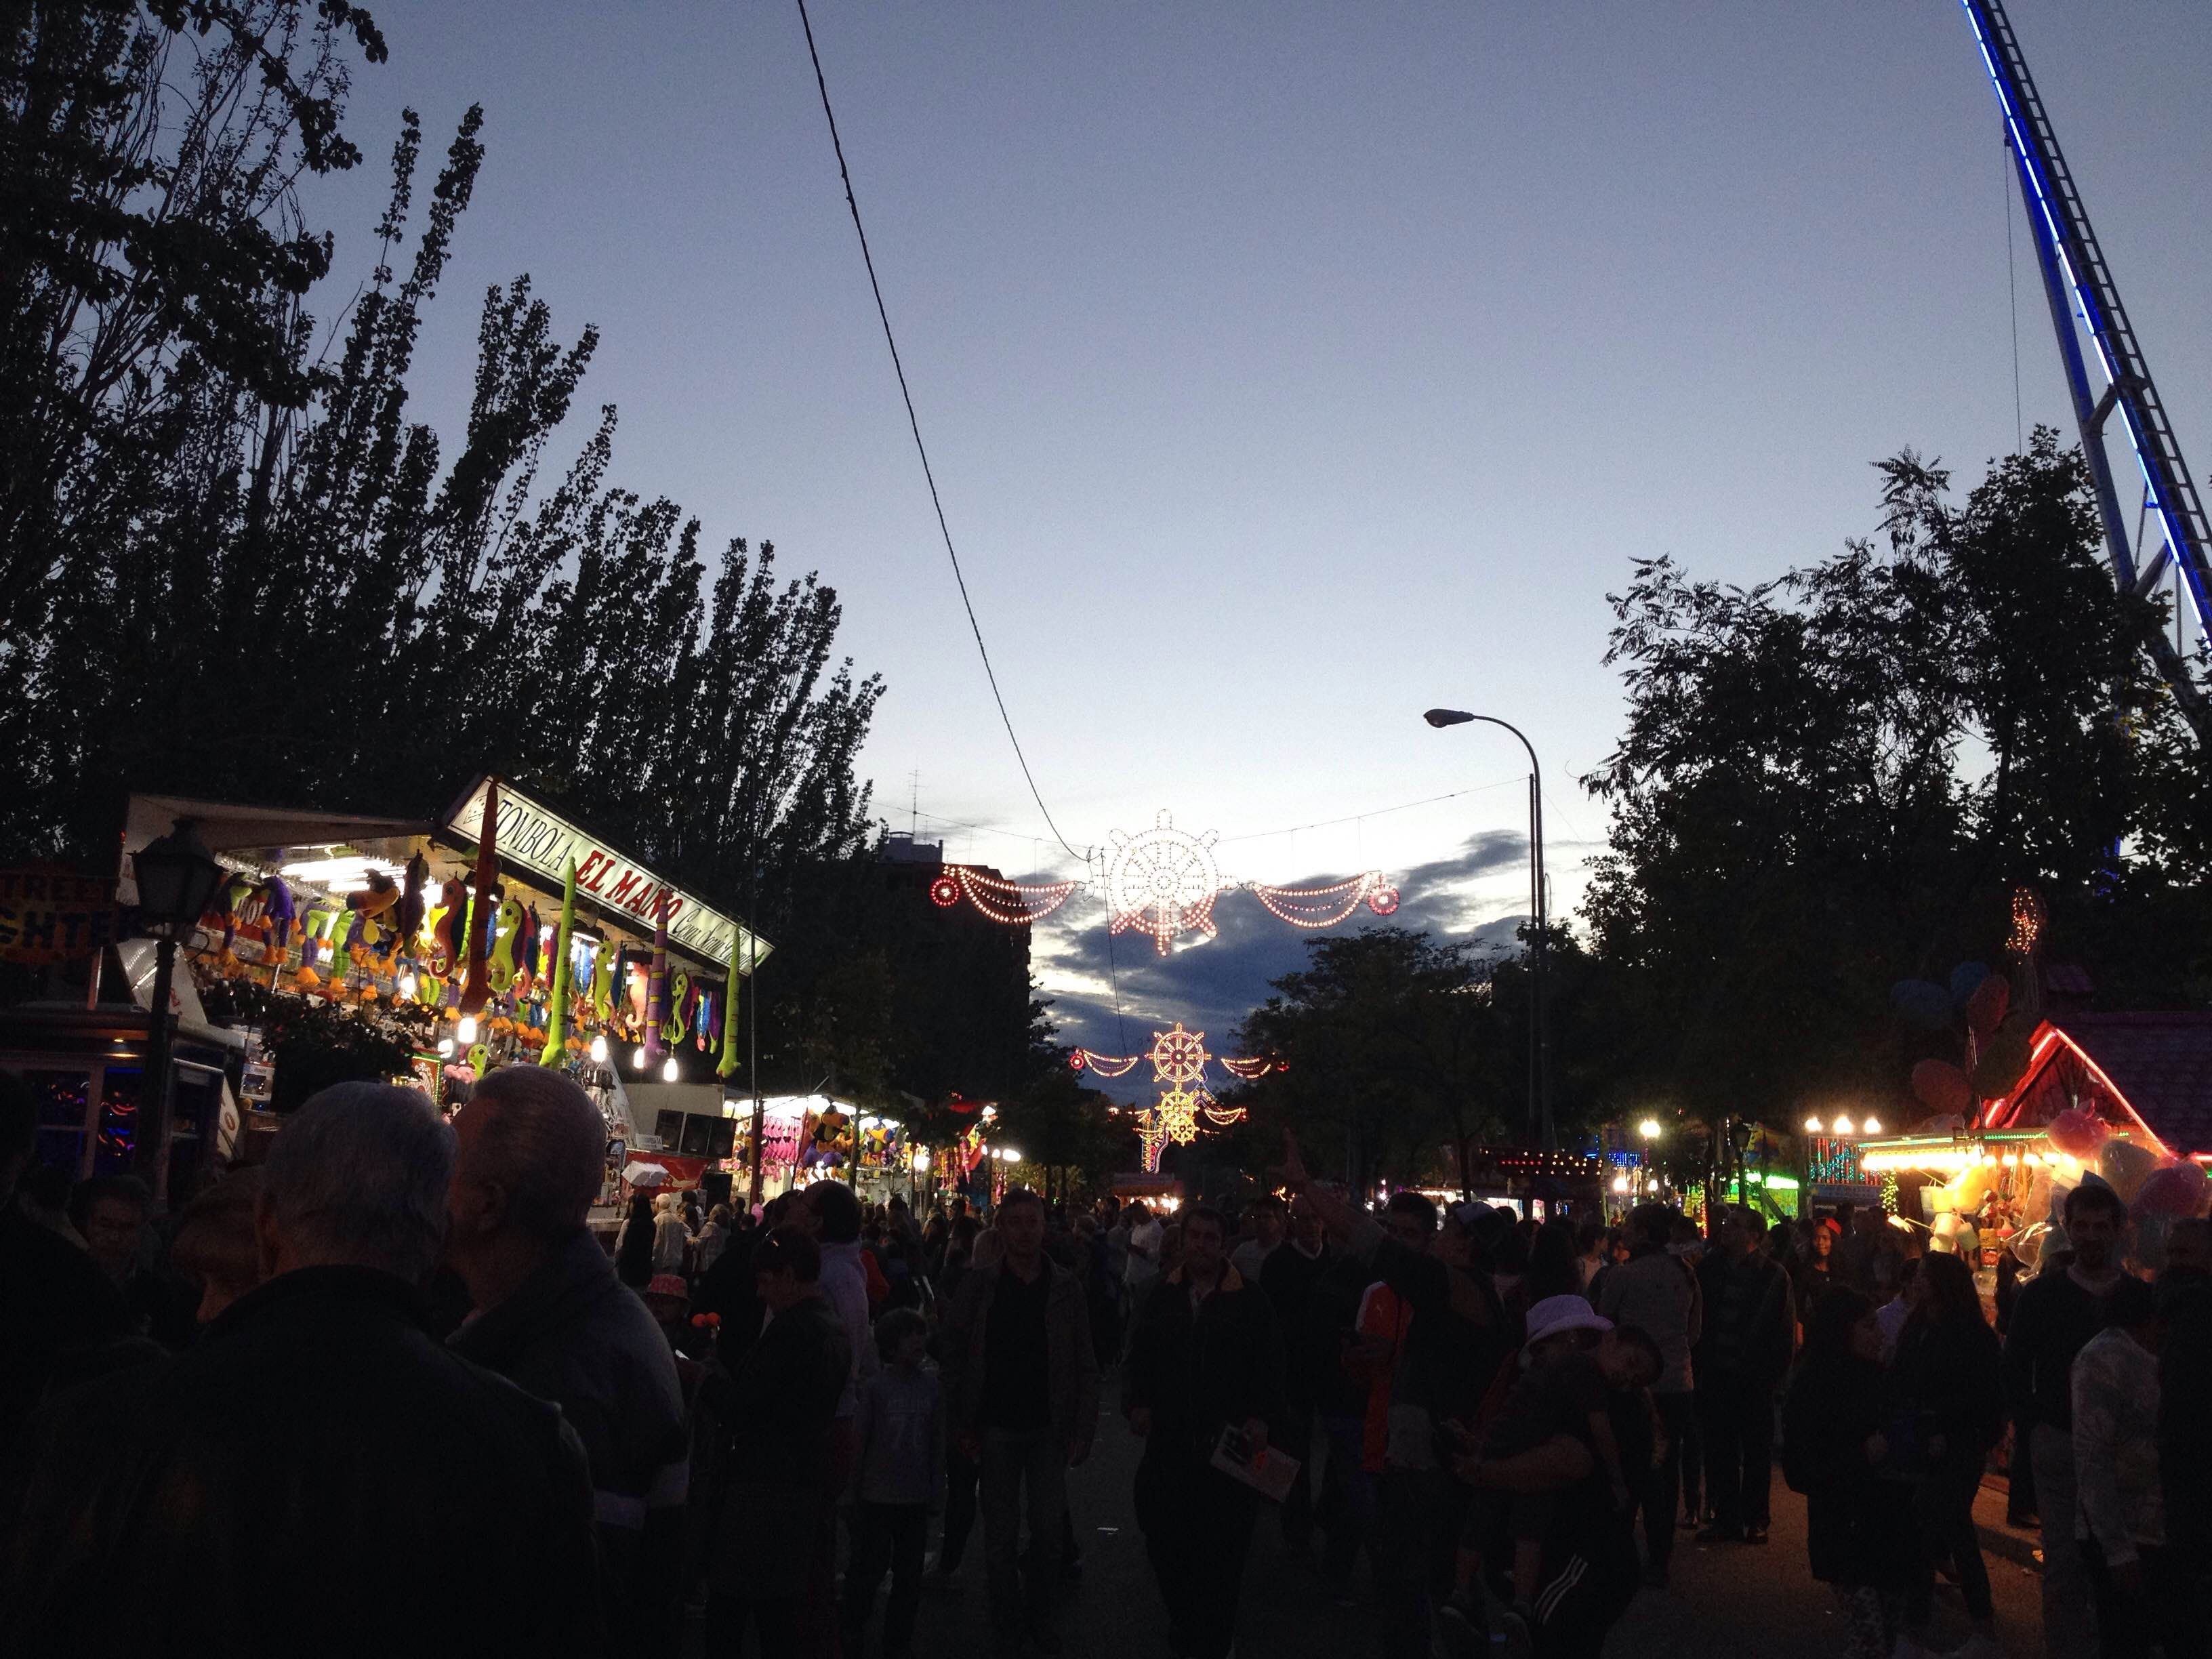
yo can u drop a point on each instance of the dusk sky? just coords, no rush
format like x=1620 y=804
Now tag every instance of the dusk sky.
x=1287 y=369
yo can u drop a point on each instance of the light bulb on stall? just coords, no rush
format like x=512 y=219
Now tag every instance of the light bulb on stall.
x=446 y=1046
x=670 y=1070
x=638 y=1060
x=1872 y=1127
x=466 y=1032
x=407 y=987
x=599 y=1047
x=1842 y=1126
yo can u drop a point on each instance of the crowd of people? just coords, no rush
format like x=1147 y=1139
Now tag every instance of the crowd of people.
x=387 y=1391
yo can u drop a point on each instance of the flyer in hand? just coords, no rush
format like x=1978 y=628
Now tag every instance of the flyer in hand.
x=1267 y=1472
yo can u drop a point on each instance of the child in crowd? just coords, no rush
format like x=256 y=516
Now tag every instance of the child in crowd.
x=1571 y=1367
x=898 y=1481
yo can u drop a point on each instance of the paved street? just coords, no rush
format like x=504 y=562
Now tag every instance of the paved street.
x=1737 y=1601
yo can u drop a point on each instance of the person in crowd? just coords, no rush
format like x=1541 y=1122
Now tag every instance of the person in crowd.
x=214 y=1246
x=1554 y=1269
x=1838 y=1414
x=771 y=1520
x=1812 y=1269
x=1593 y=1250
x=1264 y=1225
x=832 y=1214
x=1147 y=1235
x=1749 y=1326
x=2185 y=1427
x=1569 y=1369
x=1688 y=1246
x=634 y=1248
x=60 y=1315
x=110 y=1213
x=2057 y=1314
x=380 y=1495
x=1654 y=1291
x=959 y=1256
x=1452 y=1339
x=1866 y=1238
x=1022 y=1380
x=1946 y=1369
x=1894 y=1299
x=1207 y=1356
x=551 y=1316
x=672 y=1236
x=713 y=1238
x=1102 y=1292
x=43 y=1194
x=1509 y=1274
x=2020 y=1468
x=964 y=1471
x=898 y=1482
x=2143 y=1592
x=1311 y=1350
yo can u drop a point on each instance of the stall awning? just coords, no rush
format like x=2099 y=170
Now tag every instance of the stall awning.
x=226 y=827
x=2149 y=1073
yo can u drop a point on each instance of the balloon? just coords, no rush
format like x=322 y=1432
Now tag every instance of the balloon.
x=1986 y=1006
x=2037 y=1202
x=2078 y=1133
x=1966 y=979
x=1942 y=1087
x=1972 y=1186
x=2127 y=1166
x=2179 y=1189
x=1922 y=1004
x=2026 y=1244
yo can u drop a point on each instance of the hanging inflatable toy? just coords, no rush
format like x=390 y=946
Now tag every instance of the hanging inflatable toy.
x=679 y=990
x=279 y=912
x=603 y=981
x=446 y=930
x=500 y=965
x=412 y=901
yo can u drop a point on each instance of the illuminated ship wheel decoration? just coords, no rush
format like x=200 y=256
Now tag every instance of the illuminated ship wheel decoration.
x=1179 y=1057
x=945 y=892
x=1162 y=881
x=1175 y=1115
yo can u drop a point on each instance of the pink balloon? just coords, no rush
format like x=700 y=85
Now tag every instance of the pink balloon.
x=2078 y=1133
x=1942 y=1087
x=2178 y=1189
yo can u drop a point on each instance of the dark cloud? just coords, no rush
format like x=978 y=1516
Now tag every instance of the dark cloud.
x=1211 y=985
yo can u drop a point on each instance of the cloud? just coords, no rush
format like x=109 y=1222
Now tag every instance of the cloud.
x=1210 y=985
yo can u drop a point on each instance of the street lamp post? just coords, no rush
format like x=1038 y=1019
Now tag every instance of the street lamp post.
x=1540 y=1036
x=177 y=879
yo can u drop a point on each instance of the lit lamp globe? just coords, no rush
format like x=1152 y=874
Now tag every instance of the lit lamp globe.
x=639 y=1059
x=1812 y=1125
x=1842 y=1126
x=921 y=1160
x=1649 y=1128
x=1870 y=1126
x=670 y=1071
x=466 y=1031
x=599 y=1047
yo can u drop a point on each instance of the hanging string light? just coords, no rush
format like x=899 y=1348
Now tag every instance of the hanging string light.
x=1325 y=907
x=1104 y=1065
x=1249 y=1070
x=1011 y=903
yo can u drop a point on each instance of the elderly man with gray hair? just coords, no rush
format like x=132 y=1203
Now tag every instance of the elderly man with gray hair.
x=551 y=1316
x=318 y=1474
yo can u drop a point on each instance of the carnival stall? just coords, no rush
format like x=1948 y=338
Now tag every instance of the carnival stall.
x=2123 y=1098
x=496 y=932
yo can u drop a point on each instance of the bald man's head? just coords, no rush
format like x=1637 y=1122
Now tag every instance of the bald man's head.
x=533 y=1155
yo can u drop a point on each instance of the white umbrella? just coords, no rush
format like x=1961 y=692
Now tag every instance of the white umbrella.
x=639 y=1174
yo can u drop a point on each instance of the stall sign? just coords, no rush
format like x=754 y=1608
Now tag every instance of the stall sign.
x=49 y=914
x=541 y=841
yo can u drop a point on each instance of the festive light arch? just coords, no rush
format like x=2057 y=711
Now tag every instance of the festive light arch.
x=1162 y=881
x=1325 y=907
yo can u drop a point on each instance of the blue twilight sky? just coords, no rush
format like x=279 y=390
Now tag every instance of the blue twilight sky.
x=1287 y=368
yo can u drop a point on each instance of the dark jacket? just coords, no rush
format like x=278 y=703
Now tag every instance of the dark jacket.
x=1459 y=1335
x=2051 y=1322
x=770 y=1494
x=1312 y=1344
x=317 y=1474
x=1198 y=1369
x=1858 y=1529
x=2185 y=1425
x=59 y=1312
x=1949 y=1370
x=576 y=1335
x=1750 y=1321
x=1071 y=1358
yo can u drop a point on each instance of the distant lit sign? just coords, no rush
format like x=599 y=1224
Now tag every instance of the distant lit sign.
x=541 y=841
x=49 y=914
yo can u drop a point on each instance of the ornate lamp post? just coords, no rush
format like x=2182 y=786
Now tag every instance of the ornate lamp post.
x=177 y=879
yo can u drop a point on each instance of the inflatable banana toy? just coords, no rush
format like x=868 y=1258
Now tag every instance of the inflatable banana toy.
x=679 y=988
x=499 y=966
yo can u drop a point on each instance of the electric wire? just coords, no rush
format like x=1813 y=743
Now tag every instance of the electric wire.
x=914 y=421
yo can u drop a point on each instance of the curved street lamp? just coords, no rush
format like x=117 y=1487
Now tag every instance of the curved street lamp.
x=1540 y=1036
